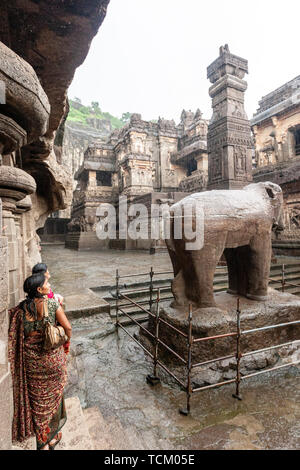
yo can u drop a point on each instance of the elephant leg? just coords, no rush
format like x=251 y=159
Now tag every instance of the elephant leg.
x=237 y=263
x=178 y=283
x=178 y=291
x=204 y=262
x=231 y=260
x=259 y=267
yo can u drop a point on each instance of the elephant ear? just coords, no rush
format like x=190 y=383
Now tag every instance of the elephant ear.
x=270 y=193
x=272 y=189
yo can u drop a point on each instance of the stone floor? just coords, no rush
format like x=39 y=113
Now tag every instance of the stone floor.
x=73 y=271
x=108 y=371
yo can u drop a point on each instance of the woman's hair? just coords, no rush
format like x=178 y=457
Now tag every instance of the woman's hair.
x=32 y=283
x=30 y=287
x=39 y=268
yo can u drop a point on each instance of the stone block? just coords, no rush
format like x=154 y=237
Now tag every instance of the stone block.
x=13 y=255
x=3 y=273
x=5 y=411
x=3 y=353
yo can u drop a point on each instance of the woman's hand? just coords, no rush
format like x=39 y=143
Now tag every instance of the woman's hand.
x=67 y=347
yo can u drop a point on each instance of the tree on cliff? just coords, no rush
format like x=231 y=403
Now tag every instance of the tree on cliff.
x=96 y=107
x=126 y=117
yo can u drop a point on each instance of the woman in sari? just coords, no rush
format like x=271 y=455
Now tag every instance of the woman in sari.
x=42 y=268
x=39 y=376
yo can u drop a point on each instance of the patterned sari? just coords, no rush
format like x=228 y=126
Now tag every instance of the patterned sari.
x=39 y=378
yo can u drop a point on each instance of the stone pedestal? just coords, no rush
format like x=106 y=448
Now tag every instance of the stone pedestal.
x=85 y=241
x=279 y=308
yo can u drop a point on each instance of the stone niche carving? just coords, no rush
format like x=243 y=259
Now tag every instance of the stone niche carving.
x=237 y=223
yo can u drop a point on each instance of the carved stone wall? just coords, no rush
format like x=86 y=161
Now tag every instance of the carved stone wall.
x=141 y=158
x=276 y=129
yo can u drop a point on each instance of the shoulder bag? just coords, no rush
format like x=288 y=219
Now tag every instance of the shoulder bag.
x=55 y=335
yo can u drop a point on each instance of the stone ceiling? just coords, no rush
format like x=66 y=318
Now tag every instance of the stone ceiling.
x=54 y=36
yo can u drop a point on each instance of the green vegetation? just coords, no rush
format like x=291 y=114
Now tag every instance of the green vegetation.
x=80 y=113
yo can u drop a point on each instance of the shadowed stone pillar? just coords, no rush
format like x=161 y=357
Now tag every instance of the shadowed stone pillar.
x=5 y=379
x=15 y=184
x=229 y=141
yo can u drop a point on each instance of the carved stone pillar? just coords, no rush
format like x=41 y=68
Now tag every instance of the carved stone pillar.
x=15 y=184
x=229 y=140
x=5 y=379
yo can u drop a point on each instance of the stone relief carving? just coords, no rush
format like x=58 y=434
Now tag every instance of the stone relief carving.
x=240 y=155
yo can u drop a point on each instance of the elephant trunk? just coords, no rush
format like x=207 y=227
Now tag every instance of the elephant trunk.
x=278 y=225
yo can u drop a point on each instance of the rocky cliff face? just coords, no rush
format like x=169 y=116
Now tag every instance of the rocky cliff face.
x=77 y=139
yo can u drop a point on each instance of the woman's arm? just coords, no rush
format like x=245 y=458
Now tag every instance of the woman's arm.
x=63 y=321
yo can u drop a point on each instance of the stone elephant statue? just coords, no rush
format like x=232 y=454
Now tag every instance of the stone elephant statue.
x=237 y=223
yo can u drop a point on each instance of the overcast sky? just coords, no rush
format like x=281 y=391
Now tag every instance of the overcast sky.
x=151 y=56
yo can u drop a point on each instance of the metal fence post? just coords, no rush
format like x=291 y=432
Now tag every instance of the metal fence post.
x=117 y=299
x=186 y=411
x=151 y=288
x=238 y=352
x=154 y=379
x=283 y=278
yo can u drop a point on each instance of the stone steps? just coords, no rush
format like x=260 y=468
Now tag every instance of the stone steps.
x=30 y=444
x=109 y=434
x=87 y=429
x=102 y=299
x=76 y=434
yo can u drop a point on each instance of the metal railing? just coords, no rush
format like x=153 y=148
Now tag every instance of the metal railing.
x=283 y=280
x=190 y=342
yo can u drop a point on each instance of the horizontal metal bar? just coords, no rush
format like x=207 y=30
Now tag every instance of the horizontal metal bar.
x=270 y=327
x=197 y=340
x=139 y=306
x=135 y=321
x=213 y=385
x=136 y=290
x=134 y=339
x=173 y=327
x=213 y=360
x=290 y=284
x=134 y=275
x=268 y=349
x=269 y=370
x=171 y=373
x=171 y=350
x=163 y=272
x=143 y=302
x=146 y=289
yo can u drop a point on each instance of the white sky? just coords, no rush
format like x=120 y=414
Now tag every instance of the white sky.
x=150 y=56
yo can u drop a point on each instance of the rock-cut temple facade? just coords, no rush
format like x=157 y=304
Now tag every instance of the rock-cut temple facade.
x=160 y=162
x=149 y=162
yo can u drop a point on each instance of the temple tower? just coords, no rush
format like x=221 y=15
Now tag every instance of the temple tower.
x=229 y=139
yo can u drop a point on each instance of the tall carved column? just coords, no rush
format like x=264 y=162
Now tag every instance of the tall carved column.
x=229 y=139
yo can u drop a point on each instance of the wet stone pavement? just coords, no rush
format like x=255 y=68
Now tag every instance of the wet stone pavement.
x=72 y=271
x=108 y=370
